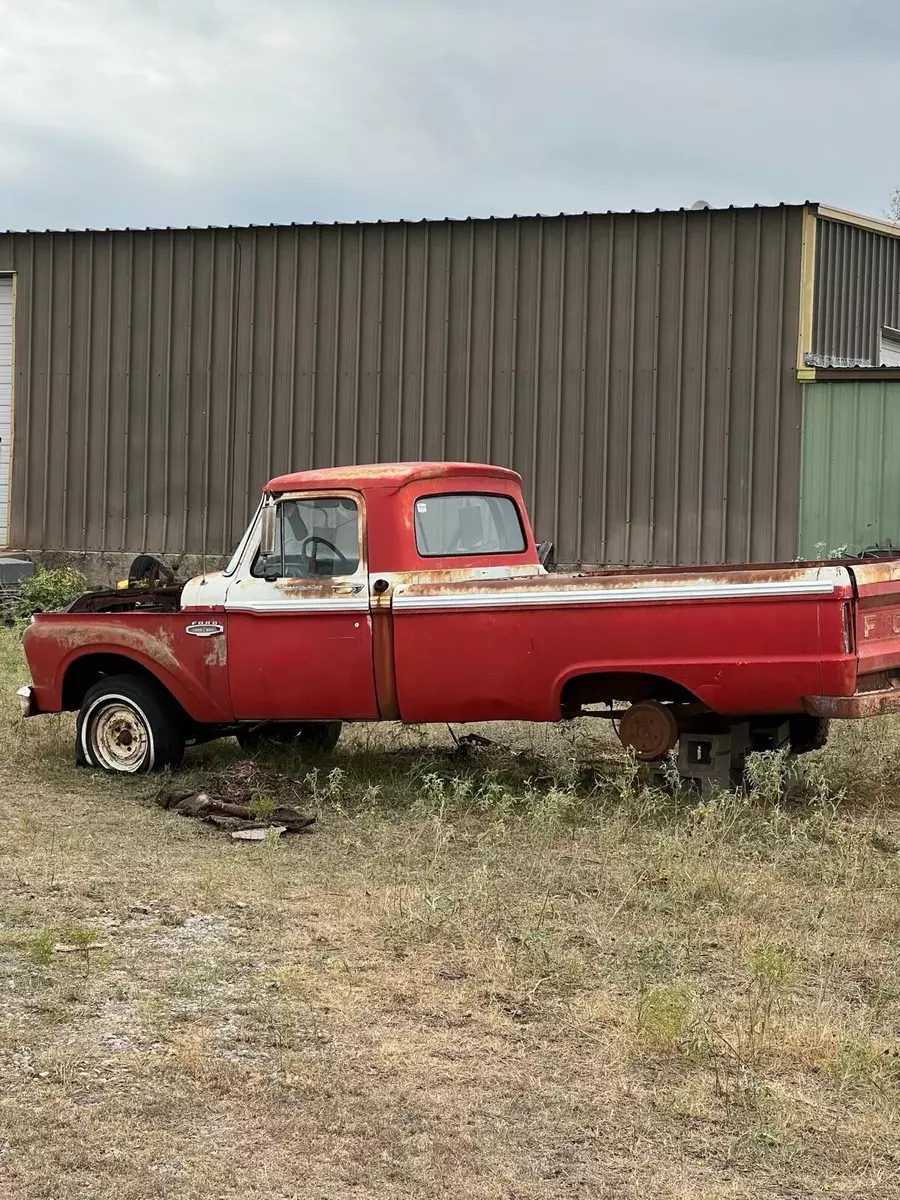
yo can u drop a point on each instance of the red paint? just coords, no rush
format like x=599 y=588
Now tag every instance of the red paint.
x=194 y=670
x=488 y=648
x=750 y=656
x=315 y=664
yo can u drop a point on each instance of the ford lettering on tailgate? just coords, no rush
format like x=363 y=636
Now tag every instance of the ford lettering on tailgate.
x=882 y=624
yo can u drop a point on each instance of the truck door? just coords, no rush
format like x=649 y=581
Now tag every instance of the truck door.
x=299 y=628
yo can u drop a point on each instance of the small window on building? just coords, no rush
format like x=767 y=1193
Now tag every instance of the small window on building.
x=890 y=348
x=467 y=524
x=314 y=538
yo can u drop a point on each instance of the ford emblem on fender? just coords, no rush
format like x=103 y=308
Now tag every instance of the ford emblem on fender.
x=205 y=629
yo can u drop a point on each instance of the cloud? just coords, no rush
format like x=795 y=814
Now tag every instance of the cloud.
x=136 y=112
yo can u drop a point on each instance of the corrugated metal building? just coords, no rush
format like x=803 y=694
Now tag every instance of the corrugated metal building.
x=647 y=373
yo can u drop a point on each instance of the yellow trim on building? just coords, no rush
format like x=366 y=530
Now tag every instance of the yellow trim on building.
x=807 y=288
x=875 y=224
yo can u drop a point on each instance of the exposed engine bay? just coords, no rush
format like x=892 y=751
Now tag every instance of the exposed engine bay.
x=151 y=586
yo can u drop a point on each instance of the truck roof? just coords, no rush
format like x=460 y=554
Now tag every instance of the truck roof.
x=385 y=475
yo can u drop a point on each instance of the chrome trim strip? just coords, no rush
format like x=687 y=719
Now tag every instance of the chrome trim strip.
x=330 y=604
x=700 y=591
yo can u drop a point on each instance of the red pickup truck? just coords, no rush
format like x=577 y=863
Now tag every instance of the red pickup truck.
x=415 y=592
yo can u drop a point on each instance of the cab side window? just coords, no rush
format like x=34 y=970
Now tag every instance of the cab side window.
x=316 y=538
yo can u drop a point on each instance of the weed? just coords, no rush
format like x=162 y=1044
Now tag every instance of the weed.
x=767 y=773
x=262 y=807
x=860 y=1062
x=42 y=947
x=664 y=1014
x=553 y=808
x=824 y=554
x=80 y=936
x=771 y=973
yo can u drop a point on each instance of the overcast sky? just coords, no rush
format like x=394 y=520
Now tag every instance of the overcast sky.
x=175 y=112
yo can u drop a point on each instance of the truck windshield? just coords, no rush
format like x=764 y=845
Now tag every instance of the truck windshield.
x=467 y=524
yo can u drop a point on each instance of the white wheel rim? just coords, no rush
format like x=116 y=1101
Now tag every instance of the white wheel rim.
x=119 y=737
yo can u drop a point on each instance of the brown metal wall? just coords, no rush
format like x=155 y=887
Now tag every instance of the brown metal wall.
x=857 y=292
x=638 y=370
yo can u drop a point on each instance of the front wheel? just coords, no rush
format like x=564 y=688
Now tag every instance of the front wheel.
x=320 y=737
x=128 y=724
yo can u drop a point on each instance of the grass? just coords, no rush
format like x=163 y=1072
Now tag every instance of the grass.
x=512 y=971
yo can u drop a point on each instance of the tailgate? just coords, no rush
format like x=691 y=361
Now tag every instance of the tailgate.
x=877 y=615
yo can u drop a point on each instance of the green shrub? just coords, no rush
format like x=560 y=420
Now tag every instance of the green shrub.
x=48 y=591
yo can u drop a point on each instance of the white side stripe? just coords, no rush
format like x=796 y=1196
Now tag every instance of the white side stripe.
x=317 y=604
x=699 y=591
x=527 y=598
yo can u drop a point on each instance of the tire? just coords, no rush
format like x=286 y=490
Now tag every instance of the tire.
x=807 y=733
x=128 y=725
x=320 y=737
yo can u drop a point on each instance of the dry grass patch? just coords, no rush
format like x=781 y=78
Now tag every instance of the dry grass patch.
x=504 y=972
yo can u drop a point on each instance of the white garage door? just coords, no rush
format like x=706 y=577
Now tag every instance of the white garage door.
x=6 y=363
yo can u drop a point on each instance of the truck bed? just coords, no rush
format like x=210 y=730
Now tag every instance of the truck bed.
x=761 y=639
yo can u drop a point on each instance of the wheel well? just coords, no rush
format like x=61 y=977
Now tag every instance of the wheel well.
x=630 y=686
x=84 y=672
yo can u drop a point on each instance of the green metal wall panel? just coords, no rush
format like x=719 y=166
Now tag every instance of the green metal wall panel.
x=850 y=484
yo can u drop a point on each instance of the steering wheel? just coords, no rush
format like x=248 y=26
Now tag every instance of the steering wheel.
x=323 y=542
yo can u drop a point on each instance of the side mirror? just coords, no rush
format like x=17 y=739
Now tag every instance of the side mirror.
x=267 y=531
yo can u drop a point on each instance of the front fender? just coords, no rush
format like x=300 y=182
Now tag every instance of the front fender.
x=194 y=670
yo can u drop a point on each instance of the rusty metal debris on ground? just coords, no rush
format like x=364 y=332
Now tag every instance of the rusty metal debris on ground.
x=232 y=817
x=470 y=740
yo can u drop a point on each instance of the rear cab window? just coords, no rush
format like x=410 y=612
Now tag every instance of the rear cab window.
x=466 y=524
